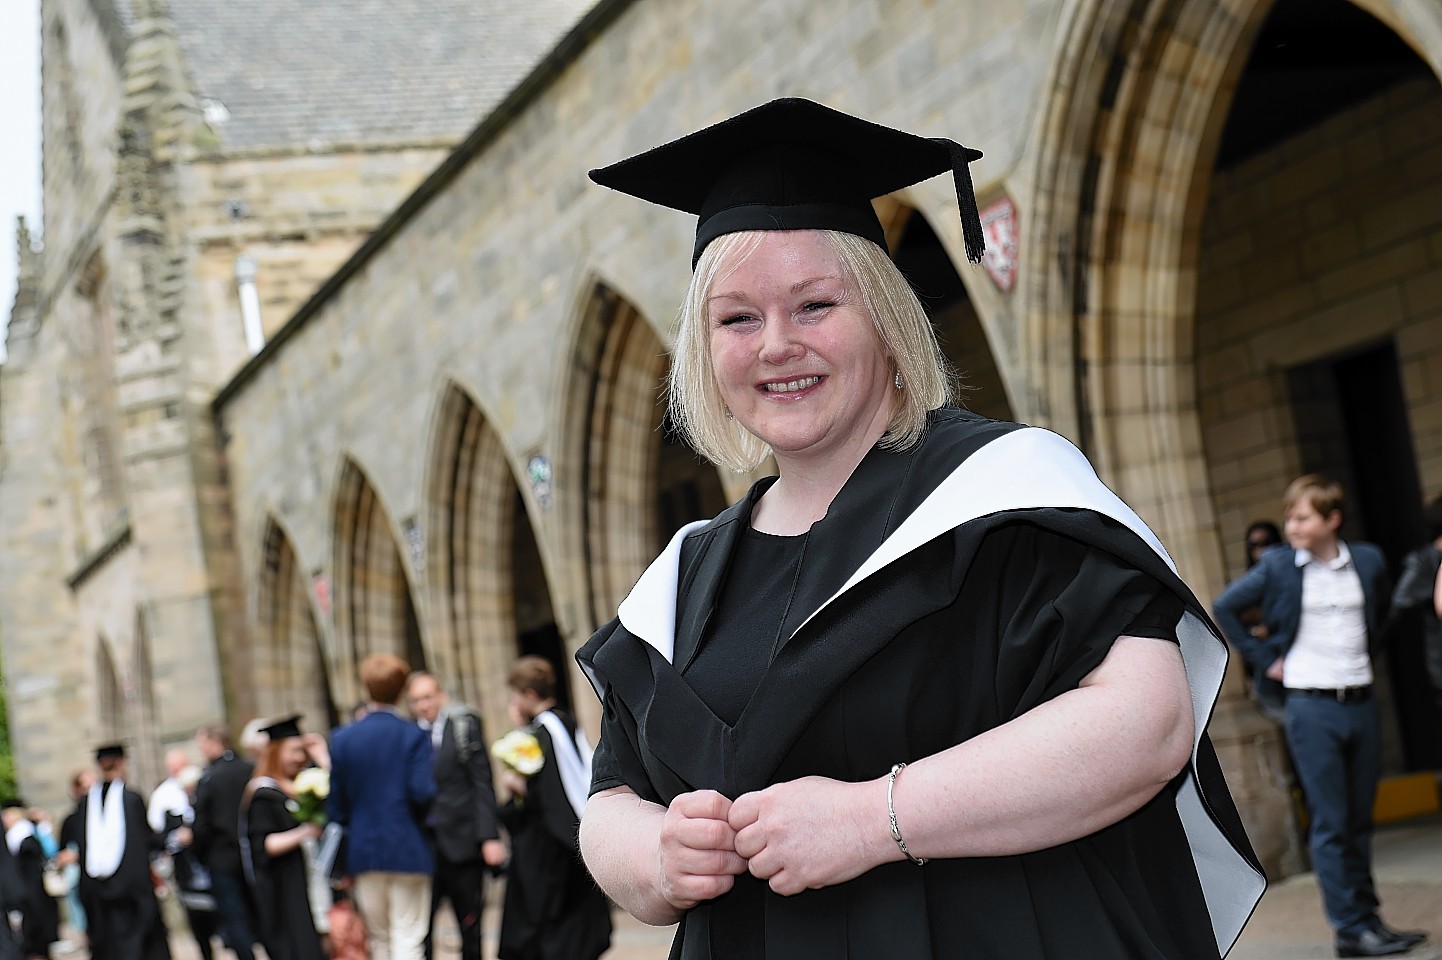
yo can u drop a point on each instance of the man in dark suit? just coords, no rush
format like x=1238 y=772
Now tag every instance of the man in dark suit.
x=216 y=843
x=463 y=816
x=381 y=789
x=1324 y=602
x=113 y=846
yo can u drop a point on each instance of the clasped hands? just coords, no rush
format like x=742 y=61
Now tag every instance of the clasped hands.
x=797 y=836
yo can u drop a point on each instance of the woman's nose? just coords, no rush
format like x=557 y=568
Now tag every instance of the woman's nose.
x=778 y=344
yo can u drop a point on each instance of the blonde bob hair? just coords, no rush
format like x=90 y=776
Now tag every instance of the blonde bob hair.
x=903 y=333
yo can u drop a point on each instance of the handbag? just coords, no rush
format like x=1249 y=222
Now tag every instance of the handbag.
x=54 y=881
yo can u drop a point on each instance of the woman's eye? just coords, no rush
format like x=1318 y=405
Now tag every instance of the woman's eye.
x=816 y=306
x=735 y=319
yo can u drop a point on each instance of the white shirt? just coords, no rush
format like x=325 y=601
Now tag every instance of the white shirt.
x=437 y=729
x=170 y=797
x=1330 y=649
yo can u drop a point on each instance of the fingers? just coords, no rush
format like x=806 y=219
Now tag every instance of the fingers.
x=705 y=804
x=697 y=851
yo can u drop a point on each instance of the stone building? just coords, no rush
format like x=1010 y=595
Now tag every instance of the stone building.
x=1217 y=264
x=207 y=165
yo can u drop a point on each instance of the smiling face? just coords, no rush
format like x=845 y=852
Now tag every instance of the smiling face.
x=794 y=351
x=292 y=756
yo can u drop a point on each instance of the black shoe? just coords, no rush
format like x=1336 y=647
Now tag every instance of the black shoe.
x=1370 y=943
x=1409 y=937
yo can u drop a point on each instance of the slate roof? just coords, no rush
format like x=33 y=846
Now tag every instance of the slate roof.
x=313 y=73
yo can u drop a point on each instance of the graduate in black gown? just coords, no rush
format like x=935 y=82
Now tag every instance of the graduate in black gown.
x=934 y=691
x=40 y=914
x=271 y=848
x=553 y=909
x=113 y=845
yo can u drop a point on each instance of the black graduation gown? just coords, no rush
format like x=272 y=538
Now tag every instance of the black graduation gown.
x=949 y=589
x=122 y=915
x=278 y=884
x=553 y=909
x=40 y=926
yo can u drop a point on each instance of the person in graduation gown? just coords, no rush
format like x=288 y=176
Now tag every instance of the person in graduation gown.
x=271 y=847
x=40 y=914
x=553 y=909
x=934 y=690
x=113 y=844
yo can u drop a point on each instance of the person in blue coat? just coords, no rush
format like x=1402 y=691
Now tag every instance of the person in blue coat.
x=382 y=786
x=1323 y=603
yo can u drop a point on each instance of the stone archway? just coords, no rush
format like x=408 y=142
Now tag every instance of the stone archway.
x=292 y=671
x=486 y=569
x=144 y=720
x=1140 y=95
x=374 y=609
x=639 y=483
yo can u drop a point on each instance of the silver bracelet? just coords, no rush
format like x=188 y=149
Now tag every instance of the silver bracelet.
x=891 y=815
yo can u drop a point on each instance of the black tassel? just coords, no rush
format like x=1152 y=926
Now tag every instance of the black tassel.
x=971 y=231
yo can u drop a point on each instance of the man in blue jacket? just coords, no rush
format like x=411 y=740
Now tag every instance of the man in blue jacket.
x=1324 y=602
x=382 y=786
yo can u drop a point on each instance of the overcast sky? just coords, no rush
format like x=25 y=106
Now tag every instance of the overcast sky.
x=19 y=134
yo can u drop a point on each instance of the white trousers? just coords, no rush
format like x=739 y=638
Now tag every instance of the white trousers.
x=396 y=908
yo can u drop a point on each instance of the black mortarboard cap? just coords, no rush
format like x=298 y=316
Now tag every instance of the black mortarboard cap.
x=109 y=750
x=283 y=728
x=793 y=164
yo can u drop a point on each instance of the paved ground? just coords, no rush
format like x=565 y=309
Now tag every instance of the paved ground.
x=1288 y=925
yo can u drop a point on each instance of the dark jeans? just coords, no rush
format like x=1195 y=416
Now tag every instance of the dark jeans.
x=1337 y=751
x=463 y=884
x=231 y=909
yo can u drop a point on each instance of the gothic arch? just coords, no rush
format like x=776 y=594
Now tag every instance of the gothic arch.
x=486 y=574
x=293 y=672
x=1139 y=97
x=374 y=608
x=1141 y=90
x=636 y=482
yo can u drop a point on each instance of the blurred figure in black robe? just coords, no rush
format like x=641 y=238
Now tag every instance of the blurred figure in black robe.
x=553 y=909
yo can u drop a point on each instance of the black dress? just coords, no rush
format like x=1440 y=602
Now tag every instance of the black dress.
x=41 y=916
x=925 y=609
x=553 y=909
x=278 y=884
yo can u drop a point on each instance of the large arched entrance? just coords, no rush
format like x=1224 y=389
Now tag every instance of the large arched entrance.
x=1318 y=303
x=639 y=482
x=374 y=610
x=1140 y=100
x=486 y=569
x=292 y=671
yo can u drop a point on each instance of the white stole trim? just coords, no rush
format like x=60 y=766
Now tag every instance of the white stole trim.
x=105 y=830
x=1026 y=469
x=17 y=835
x=572 y=758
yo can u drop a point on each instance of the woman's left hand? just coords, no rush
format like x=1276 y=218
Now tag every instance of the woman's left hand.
x=811 y=832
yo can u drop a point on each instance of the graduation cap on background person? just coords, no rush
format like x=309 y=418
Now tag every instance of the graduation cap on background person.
x=793 y=164
x=110 y=751
x=283 y=728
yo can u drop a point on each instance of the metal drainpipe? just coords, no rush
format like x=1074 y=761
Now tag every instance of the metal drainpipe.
x=249 y=303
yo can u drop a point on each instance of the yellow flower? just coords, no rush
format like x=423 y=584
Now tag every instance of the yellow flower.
x=520 y=751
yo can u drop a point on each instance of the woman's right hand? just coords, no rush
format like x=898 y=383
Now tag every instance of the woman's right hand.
x=696 y=856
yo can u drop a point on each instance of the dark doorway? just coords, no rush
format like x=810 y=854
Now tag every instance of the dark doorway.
x=925 y=263
x=1351 y=419
x=536 y=630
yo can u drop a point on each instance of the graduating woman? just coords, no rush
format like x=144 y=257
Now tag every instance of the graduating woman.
x=553 y=909
x=271 y=840
x=933 y=690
